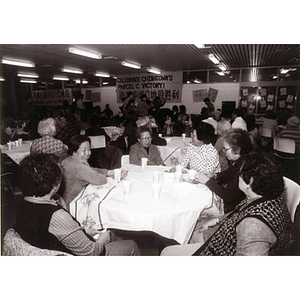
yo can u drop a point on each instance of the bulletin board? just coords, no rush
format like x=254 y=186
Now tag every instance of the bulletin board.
x=259 y=99
x=266 y=100
x=286 y=97
x=248 y=97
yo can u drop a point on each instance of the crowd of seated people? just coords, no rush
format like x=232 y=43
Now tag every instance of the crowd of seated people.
x=222 y=142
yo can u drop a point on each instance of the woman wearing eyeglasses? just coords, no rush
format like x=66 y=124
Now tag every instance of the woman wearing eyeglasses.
x=144 y=148
x=236 y=145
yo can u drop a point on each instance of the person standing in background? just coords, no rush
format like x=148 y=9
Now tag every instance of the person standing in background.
x=143 y=107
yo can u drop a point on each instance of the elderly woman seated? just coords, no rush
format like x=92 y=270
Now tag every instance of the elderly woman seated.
x=201 y=155
x=77 y=173
x=43 y=222
x=259 y=225
x=47 y=143
x=236 y=145
x=144 y=148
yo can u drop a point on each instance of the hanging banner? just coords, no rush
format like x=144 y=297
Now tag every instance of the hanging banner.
x=167 y=86
x=52 y=97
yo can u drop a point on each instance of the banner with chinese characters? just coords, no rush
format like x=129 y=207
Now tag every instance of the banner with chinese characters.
x=52 y=97
x=167 y=86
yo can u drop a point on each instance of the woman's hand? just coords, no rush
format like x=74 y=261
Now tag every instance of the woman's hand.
x=104 y=238
x=92 y=232
x=209 y=175
x=201 y=177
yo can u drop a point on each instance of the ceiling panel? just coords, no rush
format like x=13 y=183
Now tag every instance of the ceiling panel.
x=50 y=58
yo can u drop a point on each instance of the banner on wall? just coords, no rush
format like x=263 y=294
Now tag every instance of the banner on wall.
x=167 y=86
x=199 y=95
x=52 y=97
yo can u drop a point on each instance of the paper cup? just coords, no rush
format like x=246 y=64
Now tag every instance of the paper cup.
x=179 y=168
x=155 y=176
x=126 y=187
x=156 y=191
x=9 y=145
x=17 y=143
x=20 y=141
x=183 y=136
x=178 y=177
x=117 y=175
x=144 y=162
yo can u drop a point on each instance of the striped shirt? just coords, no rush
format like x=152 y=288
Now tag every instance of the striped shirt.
x=291 y=133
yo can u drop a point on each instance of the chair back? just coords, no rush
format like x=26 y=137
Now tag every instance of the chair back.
x=14 y=245
x=98 y=141
x=124 y=160
x=291 y=195
x=284 y=145
x=266 y=132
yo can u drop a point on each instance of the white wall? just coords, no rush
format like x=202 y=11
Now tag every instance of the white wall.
x=107 y=95
x=226 y=92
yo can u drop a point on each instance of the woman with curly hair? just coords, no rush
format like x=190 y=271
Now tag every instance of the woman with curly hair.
x=48 y=143
x=43 y=221
x=259 y=225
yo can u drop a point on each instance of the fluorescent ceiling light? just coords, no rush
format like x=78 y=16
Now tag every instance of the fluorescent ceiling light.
x=18 y=63
x=102 y=74
x=130 y=65
x=72 y=71
x=284 y=71
x=60 y=78
x=83 y=81
x=221 y=73
x=197 y=81
x=2 y=79
x=28 y=81
x=104 y=83
x=213 y=58
x=85 y=53
x=28 y=75
x=153 y=71
x=253 y=75
x=222 y=67
x=200 y=46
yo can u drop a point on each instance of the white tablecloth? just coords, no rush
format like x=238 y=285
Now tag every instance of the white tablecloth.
x=173 y=216
x=174 y=148
x=17 y=153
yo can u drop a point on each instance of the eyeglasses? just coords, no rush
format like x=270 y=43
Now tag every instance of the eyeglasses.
x=226 y=149
x=146 y=139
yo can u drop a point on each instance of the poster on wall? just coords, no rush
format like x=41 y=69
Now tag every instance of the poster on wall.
x=167 y=86
x=199 y=95
x=212 y=94
x=52 y=97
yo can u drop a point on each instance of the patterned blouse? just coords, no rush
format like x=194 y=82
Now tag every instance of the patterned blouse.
x=48 y=144
x=202 y=159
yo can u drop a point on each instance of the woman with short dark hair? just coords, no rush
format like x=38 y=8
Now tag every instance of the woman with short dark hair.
x=201 y=155
x=43 y=222
x=77 y=173
x=236 y=145
x=144 y=148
